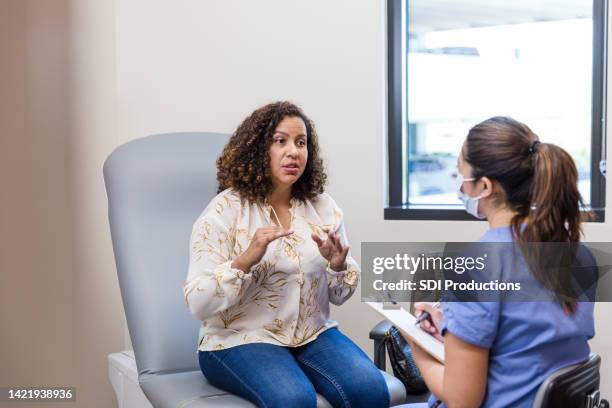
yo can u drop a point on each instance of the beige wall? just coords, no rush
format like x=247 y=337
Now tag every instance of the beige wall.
x=38 y=280
x=83 y=76
x=60 y=306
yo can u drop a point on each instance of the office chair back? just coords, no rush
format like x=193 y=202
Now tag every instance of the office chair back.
x=157 y=186
x=575 y=386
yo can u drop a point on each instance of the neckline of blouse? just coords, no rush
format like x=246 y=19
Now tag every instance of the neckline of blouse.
x=267 y=207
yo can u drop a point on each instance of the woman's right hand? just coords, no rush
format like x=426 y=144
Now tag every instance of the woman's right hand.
x=257 y=247
x=433 y=324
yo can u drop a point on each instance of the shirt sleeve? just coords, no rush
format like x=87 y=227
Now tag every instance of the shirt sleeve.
x=473 y=322
x=212 y=285
x=342 y=284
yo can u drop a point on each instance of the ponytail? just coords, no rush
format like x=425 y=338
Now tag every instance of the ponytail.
x=553 y=216
x=540 y=185
x=554 y=211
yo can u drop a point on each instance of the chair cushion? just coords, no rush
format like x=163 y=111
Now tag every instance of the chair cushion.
x=190 y=389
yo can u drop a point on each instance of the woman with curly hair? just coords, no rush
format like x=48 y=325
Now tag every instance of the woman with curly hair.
x=267 y=256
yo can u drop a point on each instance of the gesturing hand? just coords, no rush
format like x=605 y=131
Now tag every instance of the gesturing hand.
x=257 y=248
x=332 y=250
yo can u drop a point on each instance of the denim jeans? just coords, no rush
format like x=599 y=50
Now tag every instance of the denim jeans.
x=272 y=376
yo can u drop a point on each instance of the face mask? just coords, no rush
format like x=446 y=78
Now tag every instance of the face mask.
x=470 y=203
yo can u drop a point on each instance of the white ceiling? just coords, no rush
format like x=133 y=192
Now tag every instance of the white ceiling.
x=427 y=15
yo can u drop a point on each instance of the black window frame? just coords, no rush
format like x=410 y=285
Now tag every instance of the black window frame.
x=397 y=207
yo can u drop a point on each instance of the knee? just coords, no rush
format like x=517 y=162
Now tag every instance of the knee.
x=294 y=396
x=370 y=391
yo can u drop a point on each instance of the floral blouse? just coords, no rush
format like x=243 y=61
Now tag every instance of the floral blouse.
x=284 y=299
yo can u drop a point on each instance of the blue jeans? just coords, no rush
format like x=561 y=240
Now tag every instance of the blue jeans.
x=273 y=376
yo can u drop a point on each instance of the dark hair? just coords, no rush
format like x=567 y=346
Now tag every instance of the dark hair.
x=539 y=182
x=244 y=162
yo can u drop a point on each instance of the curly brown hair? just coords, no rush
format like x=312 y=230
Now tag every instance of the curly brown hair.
x=244 y=164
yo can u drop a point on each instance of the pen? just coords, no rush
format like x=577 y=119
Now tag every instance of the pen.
x=425 y=315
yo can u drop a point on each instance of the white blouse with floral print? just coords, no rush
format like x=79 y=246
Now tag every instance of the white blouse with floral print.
x=284 y=299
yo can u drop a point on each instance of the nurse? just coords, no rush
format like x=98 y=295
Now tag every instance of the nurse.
x=498 y=354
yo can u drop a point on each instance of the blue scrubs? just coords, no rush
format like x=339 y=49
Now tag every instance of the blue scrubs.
x=527 y=340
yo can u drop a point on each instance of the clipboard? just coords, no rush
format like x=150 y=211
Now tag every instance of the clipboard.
x=404 y=321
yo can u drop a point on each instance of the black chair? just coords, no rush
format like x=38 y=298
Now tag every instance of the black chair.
x=378 y=334
x=574 y=386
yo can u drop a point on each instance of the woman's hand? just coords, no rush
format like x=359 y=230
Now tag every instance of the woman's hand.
x=332 y=250
x=433 y=324
x=257 y=247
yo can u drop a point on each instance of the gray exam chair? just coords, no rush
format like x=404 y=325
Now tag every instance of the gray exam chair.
x=157 y=186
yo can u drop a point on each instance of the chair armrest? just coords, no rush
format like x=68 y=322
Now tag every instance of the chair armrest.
x=378 y=334
x=380 y=330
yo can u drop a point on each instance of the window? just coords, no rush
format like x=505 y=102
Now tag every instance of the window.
x=454 y=63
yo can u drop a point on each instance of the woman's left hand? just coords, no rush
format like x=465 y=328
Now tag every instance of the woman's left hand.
x=332 y=250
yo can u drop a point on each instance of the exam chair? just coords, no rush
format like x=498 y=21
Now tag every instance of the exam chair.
x=157 y=186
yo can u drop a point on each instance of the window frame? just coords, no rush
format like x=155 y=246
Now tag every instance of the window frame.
x=397 y=140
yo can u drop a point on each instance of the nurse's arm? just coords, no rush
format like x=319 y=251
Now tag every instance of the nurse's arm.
x=462 y=380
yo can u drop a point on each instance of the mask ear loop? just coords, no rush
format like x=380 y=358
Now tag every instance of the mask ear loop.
x=480 y=196
x=477 y=199
x=462 y=179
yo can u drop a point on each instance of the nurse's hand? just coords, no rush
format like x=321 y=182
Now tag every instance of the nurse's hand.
x=433 y=324
x=332 y=250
